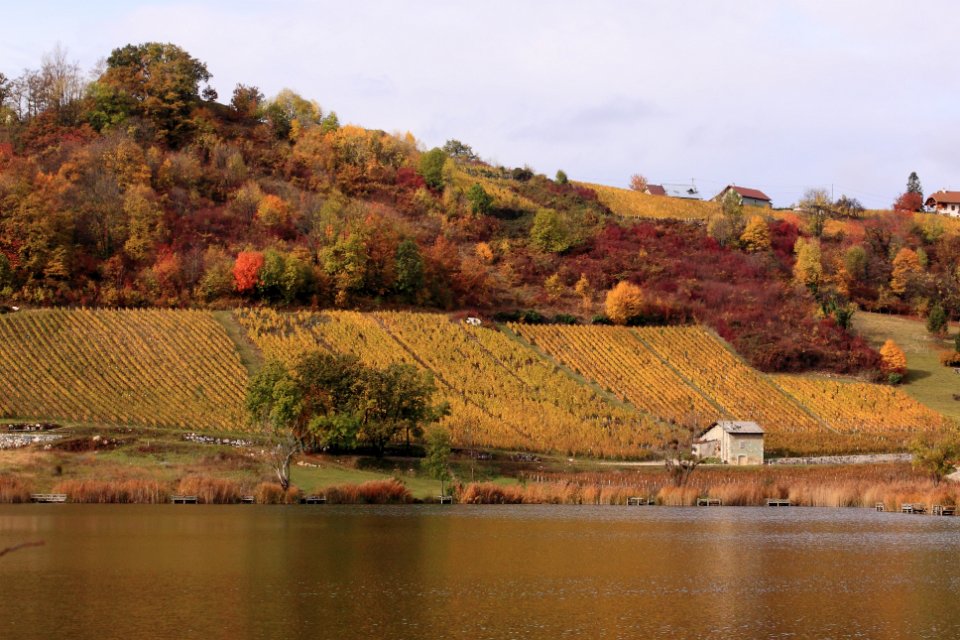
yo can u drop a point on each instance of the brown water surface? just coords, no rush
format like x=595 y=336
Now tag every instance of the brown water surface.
x=523 y=572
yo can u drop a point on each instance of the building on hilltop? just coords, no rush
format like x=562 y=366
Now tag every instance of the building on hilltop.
x=748 y=197
x=946 y=202
x=655 y=190
x=684 y=191
x=733 y=442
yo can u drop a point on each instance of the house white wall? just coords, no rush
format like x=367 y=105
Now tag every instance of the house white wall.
x=730 y=448
x=951 y=209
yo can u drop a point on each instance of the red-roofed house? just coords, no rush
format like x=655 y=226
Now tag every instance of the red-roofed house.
x=748 y=197
x=947 y=202
x=655 y=190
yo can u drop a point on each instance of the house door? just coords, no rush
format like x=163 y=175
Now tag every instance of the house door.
x=741 y=459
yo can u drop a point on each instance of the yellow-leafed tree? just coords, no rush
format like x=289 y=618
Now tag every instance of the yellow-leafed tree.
x=906 y=265
x=808 y=269
x=756 y=237
x=623 y=302
x=893 y=358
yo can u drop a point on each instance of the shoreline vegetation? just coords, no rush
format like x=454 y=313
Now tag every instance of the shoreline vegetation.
x=890 y=484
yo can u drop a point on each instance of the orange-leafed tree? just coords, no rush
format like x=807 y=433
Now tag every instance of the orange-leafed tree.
x=892 y=358
x=638 y=182
x=623 y=302
x=246 y=270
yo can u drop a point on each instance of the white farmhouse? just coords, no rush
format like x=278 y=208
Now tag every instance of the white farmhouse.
x=732 y=442
x=946 y=202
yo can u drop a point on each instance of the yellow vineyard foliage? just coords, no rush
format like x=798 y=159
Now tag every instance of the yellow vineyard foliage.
x=137 y=367
x=688 y=376
x=859 y=407
x=501 y=393
x=634 y=204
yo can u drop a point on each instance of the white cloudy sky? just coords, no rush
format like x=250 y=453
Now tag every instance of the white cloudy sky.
x=775 y=95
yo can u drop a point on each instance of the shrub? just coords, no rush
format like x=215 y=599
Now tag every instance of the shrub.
x=431 y=167
x=950 y=359
x=624 y=301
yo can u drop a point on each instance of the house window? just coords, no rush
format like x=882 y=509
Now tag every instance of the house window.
x=743 y=445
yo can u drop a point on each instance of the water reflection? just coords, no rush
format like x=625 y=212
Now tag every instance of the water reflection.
x=476 y=572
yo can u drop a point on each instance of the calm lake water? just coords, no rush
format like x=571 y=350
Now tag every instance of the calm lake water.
x=513 y=572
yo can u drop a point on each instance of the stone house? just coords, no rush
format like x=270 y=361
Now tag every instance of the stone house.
x=733 y=442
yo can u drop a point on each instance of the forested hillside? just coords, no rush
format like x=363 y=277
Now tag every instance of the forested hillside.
x=143 y=188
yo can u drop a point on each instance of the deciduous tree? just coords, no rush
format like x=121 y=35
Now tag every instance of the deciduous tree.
x=246 y=270
x=893 y=360
x=808 y=269
x=638 y=182
x=160 y=82
x=906 y=266
x=549 y=232
x=756 y=235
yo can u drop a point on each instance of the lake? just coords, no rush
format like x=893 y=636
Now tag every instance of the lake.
x=510 y=572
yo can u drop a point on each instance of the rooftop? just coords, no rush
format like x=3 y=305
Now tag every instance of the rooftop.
x=735 y=426
x=944 y=197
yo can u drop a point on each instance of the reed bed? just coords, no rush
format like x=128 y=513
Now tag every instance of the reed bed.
x=127 y=491
x=210 y=490
x=273 y=493
x=846 y=486
x=391 y=491
x=13 y=490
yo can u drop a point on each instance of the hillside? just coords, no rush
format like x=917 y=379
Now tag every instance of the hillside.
x=926 y=380
x=187 y=200
x=586 y=391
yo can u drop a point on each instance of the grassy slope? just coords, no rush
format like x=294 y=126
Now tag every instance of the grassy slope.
x=927 y=380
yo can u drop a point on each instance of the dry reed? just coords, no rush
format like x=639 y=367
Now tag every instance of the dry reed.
x=13 y=490
x=128 y=491
x=210 y=490
x=273 y=493
x=391 y=491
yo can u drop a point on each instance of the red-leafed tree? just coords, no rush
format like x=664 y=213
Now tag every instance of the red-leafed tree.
x=246 y=270
x=909 y=201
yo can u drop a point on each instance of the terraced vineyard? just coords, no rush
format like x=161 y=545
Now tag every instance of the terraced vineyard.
x=686 y=374
x=140 y=367
x=591 y=391
x=857 y=407
x=501 y=393
x=619 y=362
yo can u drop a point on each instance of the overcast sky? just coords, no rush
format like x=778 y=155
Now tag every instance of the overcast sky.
x=779 y=96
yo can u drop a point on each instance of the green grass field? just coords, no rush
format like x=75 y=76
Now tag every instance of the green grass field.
x=927 y=380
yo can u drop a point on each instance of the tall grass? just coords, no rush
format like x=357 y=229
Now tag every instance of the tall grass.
x=391 y=491
x=273 y=493
x=114 y=491
x=846 y=486
x=13 y=490
x=210 y=490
